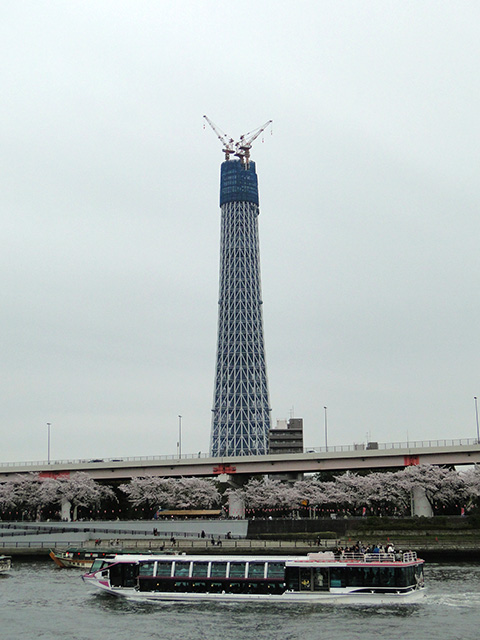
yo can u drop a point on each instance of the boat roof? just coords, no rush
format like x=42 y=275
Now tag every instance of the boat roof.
x=320 y=558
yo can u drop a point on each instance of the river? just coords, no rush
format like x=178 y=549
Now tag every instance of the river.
x=38 y=600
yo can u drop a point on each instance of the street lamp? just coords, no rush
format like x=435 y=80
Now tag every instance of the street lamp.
x=48 y=443
x=476 y=415
x=179 y=436
x=326 y=440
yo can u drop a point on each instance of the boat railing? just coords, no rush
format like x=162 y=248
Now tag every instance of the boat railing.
x=379 y=557
x=348 y=556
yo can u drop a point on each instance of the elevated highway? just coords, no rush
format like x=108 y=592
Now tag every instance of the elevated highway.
x=313 y=460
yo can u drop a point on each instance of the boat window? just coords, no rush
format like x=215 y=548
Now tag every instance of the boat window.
x=337 y=577
x=215 y=587
x=159 y=585
x=237 y=569
x=181 y=586
x=97 y=565
x=257 y=587
x=358 y=577
x=164 y=569
x=235 y=587
x=123 y=574
x=256 y=569
x=275 y=587
x=292 y=577
x=199 y=586
x=275 y=570
x=387 y=577
x=218 y=570
x=405 y=577
x=305 y=579
x=182 y=568
x=200 y=569
x=320 y=579
x=146 y=568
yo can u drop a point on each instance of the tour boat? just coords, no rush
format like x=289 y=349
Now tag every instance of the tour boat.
x=5 y=564
x=379 y=578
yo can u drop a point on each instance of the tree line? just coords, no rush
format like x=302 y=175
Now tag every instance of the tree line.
x=32 y=496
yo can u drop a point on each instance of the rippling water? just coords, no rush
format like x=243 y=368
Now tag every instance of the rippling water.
x=40 y=601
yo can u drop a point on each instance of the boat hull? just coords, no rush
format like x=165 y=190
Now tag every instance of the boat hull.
x=351 y=598
x=70 y=563
x=318 y=578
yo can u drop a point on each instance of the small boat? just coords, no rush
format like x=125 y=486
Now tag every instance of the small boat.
x=78 y=558
x=378 y=578
x=82 y=558
x=5 y=563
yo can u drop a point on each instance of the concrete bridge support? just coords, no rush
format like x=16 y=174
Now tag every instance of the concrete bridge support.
x=236 y=506
x=65 y=510
x=420 y=506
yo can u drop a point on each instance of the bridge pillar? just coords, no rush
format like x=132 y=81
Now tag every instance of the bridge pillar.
x=65 y=509
x=236 y=504
x=236 y=507
x=420 y=506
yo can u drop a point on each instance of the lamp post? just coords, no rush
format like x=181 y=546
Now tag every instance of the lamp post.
x=48 y=442
x=326 y=439
x=179 y=436
x=476 y=416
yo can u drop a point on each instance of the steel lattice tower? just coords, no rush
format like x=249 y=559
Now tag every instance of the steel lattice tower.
x=241 y=409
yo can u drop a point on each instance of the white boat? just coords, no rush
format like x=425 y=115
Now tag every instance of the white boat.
x=5 y=564
x=378 y=578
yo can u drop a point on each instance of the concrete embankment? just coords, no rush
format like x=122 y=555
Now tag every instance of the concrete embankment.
x=438 y=540
x=435 y=539
x=37 y=538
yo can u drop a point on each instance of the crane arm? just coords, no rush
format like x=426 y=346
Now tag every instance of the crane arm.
x=250 y=137
x=241 y=148
x=228 y=143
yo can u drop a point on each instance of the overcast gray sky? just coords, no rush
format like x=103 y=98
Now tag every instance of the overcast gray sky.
x=369 y=225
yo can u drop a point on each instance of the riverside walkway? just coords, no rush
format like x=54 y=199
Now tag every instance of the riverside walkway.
x=33 y=537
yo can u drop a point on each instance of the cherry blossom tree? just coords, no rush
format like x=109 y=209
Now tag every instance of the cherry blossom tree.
x=22 y=493
x=30 y=493
x=149 y=491
x=81 y=490
x=386 y=493
x=7 y=496
x=171 y=493
x=471 y=481
x=199 y=493
x=443 y=487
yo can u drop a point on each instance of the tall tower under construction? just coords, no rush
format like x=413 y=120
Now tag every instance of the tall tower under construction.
x=241 y=408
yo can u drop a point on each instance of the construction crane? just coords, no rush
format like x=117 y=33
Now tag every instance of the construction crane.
x=228 y=143
x=240 y=149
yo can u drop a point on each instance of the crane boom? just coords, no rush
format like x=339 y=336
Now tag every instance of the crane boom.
x=241 y=149
x=244 y=145
x=228 y=143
